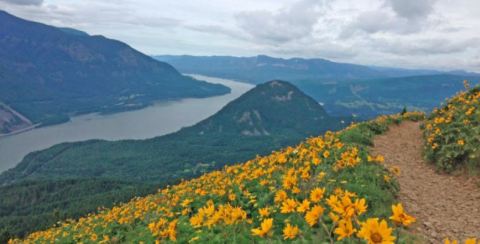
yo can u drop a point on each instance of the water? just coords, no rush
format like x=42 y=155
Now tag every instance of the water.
x=159 y=119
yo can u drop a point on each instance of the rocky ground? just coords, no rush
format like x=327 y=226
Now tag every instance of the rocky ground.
x=444 y=205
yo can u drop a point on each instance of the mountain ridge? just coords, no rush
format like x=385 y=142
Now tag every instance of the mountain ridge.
x=48 y=73
x=344 y=89
x=254 y=69
x=245 y=118
x=280 y=115
x=267 y=107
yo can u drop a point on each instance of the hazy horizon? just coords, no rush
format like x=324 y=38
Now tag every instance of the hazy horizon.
x=423 y=34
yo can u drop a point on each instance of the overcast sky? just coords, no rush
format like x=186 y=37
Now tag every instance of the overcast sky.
x=441 y=34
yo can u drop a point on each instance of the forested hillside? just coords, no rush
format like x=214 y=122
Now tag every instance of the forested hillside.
x=325 y=189
x=47 y=74
x=343 y=88
x=266 y=118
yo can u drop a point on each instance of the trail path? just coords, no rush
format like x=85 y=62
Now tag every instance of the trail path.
x=444 y=205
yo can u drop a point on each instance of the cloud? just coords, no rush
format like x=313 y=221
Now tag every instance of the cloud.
x=376 y=21
x=395 y=16
x=151 y=21
x=24 y=2
x=288 y=24
x=402 y=33
x=412 y=9
x=217 y=30
x=426 y=46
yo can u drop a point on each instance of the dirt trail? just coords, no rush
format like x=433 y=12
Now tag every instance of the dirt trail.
x=444 y=205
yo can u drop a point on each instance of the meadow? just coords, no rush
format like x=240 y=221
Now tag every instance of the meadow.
x=328 y=189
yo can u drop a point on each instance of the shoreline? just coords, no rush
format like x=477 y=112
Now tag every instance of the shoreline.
x=117 y=111
x=156 y=120
x=15 y=132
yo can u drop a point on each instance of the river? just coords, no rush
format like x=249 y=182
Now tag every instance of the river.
x=156 y=120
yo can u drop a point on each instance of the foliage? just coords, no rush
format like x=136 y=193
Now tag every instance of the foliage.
x=48 y=74
x=36 y=205
x=266 y=118
x=374 y=97
x=343 y=89
x=452 y=133
x=280 y=112
x=323 y=189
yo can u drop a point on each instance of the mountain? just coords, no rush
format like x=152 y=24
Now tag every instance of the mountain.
x=370 y=98
x=344 y=89
x=268 y=117
x=262 y=111
x=49 y=73
x=260 y=68
x=326 y=189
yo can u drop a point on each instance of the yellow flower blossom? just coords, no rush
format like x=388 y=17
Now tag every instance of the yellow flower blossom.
x=317 y=194
x=290 y=232
x=312 y=217
x=344 y=229
x=264 y=212
x=400 y=217
x=471 y=241
x=304 y=206
x=265 y=228
x=375 y=232
x=280 y=196
x=288 y=206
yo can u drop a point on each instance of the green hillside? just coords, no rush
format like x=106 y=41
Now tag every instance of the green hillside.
x=326 y=189
x=47 y=73
x=266 y=118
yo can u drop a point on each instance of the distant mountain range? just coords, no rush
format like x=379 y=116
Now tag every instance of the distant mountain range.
x=260 y=68
x=49 y=73
x=268 y=117
x=370 y=98
x=343 y=88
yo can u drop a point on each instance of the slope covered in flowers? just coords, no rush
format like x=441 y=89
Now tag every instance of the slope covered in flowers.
x=326 y=189
x=452 y=133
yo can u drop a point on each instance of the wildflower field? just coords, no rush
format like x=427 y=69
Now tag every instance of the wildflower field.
x=452 y=133
x=326 y=189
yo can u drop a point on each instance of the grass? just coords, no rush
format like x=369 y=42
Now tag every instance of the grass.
x=332 y=176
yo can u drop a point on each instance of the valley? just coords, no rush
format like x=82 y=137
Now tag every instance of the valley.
x=345 y=89
x=70 y=73
x=156 y=120
x=265 y=118
x=275 y=122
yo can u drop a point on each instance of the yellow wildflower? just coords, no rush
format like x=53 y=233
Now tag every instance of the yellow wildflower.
x=400 y=217
x=471 y=241
x=264 y=212
x=288 y=206
x=345 y=229
x=317 y=194
x=290 y=232
x=304 y=206
x=264 y=229
x=375 y=232
x=280 y=196
x=314 y=215
x=447 y=241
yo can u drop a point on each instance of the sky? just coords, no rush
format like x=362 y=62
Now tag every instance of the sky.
x=438 y=34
